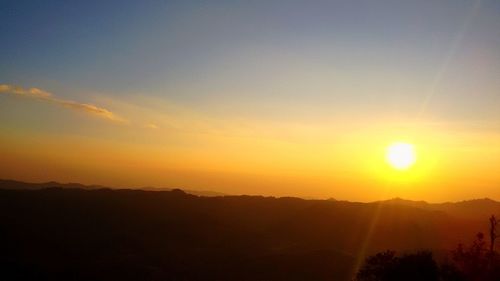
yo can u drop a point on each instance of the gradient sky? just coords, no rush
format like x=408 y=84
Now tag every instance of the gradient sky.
x=276 y=98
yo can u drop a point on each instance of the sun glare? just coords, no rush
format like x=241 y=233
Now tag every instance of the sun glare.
x=401 y=156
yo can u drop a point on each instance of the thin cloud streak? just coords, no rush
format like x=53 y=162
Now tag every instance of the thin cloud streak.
x=40 y=94
x=151 y=126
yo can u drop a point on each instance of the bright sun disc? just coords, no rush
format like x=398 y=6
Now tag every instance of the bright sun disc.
x=401 y=156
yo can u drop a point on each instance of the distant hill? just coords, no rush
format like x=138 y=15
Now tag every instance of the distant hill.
x=468 y=209
x=404 y=202
x=19 y=185
x=65 y=233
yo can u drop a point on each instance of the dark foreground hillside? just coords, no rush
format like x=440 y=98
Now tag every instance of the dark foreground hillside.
x=74 y=234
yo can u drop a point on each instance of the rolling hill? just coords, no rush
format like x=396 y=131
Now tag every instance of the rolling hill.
x=71 y=233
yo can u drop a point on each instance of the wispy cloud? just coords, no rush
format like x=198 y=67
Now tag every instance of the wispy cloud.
x=152 y=126
x=42 y=95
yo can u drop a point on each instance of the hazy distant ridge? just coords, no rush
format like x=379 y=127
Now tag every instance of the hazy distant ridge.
x=19 y=185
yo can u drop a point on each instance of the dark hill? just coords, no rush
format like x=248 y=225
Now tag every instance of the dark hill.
x=76 y=234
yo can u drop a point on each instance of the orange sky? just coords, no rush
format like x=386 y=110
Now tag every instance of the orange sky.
x=344 y=159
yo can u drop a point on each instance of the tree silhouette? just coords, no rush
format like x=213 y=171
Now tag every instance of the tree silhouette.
x=377 y=267
x=476 y=262
x=387 y=266
x=472 y=261
x=493 y=232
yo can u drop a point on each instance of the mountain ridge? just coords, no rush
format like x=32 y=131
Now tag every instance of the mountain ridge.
x=16 y=184
x=21 y=185
x=173 y=233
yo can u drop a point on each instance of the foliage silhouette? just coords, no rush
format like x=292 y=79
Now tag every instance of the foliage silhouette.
x=477 y=262
x=387 y=266
x=493 y=232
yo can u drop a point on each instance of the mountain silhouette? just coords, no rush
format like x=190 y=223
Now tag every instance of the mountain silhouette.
x=19 y=185
x=65 y=233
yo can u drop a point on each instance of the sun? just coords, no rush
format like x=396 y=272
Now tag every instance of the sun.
x=401 y=155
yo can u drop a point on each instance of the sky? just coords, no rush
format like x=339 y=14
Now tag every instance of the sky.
x=277 y=98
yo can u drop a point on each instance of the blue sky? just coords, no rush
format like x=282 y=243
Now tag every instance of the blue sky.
x=201 y=51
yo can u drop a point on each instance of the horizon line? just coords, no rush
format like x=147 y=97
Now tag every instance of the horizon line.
x=223 y=194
